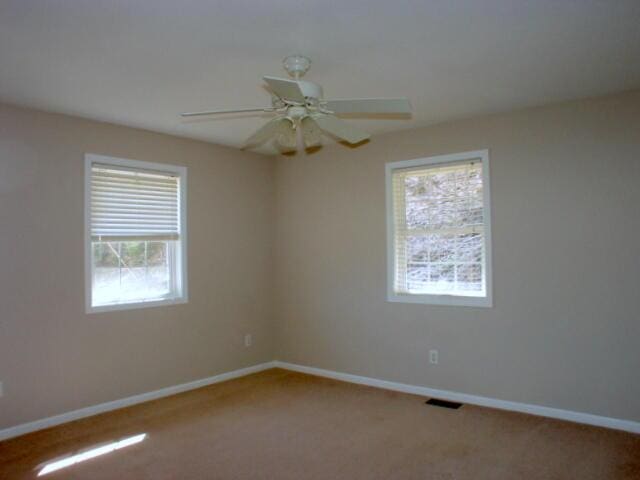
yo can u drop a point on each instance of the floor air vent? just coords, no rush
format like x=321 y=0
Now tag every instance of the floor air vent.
x=443 y=403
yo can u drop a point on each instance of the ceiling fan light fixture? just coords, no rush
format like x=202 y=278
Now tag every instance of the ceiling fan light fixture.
x=311 y=134
x=287 y=137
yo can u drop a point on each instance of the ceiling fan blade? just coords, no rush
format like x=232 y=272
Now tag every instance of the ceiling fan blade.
x=368 y=105
x=340 y=128
x=215 y=112
x=267 y=131
x=285 y=89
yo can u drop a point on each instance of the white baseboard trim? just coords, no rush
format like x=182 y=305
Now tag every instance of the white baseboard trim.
x=577 y=417
x=126 y=402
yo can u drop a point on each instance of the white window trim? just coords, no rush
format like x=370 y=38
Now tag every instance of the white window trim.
x=90 y=159
x=392 y=296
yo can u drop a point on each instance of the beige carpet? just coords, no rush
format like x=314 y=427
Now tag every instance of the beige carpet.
x=282 y=425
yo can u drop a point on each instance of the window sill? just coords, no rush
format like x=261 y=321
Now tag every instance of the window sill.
x=452 y=300
x=136 y=305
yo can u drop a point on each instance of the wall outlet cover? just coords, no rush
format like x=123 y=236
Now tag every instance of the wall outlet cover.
x=433 y=357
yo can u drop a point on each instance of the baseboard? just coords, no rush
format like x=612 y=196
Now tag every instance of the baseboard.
x=577 y=417
x=126 y=402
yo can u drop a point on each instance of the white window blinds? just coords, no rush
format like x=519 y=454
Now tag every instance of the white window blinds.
x=439 y=229
x=128 y=204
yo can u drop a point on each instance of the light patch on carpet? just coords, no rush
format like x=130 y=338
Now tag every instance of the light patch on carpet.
x=91 y=453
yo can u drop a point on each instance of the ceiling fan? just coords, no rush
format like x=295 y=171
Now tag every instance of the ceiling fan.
x=299 y=106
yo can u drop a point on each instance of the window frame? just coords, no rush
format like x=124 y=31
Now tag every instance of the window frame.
x=181 y=261
x=440 y=299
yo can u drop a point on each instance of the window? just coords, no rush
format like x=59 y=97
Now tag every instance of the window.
x=439 y=230
x=135 y=233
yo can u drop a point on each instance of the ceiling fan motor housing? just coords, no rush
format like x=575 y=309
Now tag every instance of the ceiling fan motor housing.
x=296 y=113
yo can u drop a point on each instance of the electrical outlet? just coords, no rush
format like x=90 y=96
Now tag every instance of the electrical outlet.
x=433 y=356
x=248 y=340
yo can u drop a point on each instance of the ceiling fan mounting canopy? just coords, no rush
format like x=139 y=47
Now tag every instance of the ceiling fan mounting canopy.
x=300 y=105
x=296 y=65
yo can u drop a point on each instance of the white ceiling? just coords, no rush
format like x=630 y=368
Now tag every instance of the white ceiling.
x=141 y=63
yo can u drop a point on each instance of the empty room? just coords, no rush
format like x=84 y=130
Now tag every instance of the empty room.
x=284 y=240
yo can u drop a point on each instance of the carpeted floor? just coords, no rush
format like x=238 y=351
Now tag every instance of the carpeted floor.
x=282 y=425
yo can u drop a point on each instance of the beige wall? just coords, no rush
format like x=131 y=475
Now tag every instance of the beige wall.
x=55 y=358
x=565 y=328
